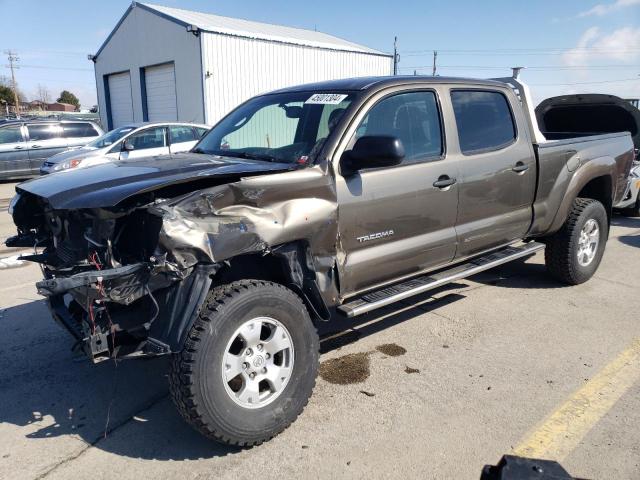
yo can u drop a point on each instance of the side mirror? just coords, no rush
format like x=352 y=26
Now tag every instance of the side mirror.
x=373 y=151
x=127 y=146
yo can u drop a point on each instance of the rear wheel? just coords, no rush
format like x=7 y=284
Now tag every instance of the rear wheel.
x=249 y=364
x=573 y=254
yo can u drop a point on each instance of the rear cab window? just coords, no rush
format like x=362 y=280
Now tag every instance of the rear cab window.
x=484 y=120
x=79 y=130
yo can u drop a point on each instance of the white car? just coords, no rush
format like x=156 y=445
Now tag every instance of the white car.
x=630 y=204
x=134 y=140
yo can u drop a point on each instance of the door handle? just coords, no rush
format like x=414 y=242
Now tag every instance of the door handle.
x=18 y=147
x=520 y=167
x=444 y=181
x=35 y=146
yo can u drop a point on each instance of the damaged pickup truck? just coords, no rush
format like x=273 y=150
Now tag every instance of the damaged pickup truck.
x=327 y=199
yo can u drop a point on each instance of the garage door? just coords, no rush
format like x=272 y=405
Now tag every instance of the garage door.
x=160 y=83
x=120 y=99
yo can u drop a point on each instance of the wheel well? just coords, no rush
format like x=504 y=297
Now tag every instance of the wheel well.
x=599 y=189
x=285 y=265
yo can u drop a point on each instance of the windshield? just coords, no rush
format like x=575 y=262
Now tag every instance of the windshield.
x=110 y=138
x=288 y=127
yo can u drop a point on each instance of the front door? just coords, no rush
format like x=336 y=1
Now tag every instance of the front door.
x=397 y=221
x=14 y=158
x=45 y=140
x=497 y=178
x=146 y=143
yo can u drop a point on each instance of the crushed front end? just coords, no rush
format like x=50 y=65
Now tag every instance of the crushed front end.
x=106 y=278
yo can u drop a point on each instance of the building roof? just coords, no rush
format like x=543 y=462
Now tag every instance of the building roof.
x=248 y=29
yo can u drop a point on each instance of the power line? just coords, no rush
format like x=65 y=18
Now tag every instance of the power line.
x=527 y=50
x=45 y=67
x=535 y=67
x=584 y=83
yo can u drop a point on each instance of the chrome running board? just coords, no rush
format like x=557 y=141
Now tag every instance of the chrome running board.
x=415 y=286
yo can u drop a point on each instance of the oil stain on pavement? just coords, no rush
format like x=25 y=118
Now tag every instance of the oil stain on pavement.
x=354 y=367
x=391 y=349
x=345 y=370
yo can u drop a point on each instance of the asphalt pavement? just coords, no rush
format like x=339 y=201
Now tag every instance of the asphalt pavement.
x=508 y=361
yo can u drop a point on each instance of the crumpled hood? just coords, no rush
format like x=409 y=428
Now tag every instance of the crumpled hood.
x=109 y=184
x=81 y=152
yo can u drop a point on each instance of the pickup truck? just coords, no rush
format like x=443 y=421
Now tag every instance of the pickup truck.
x=321 y=200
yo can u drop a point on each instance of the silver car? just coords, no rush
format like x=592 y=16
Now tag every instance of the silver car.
x=130 y=141
x=26 y=144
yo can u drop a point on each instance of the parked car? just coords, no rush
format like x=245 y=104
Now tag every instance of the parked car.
x=589 y=114
x=343 y=196
x=26 y=144
x=135 y=140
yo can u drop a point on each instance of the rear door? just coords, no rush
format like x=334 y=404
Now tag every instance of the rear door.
x=146 y=143
x=497 y=168
x=160 y=87
x=182 y=138
x=120 y=100
x=79 y=133
x=45 y=140
x=14 y=157
x=394 y=221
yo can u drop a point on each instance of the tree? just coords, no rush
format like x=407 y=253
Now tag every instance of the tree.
x=6 y=96
x=42 y=94
x=68 y=97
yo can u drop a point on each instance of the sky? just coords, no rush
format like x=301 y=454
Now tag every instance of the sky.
x=570 y=46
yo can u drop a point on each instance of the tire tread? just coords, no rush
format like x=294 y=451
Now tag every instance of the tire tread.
x=181 y=382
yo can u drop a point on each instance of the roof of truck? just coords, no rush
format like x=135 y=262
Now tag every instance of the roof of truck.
x=364 y=83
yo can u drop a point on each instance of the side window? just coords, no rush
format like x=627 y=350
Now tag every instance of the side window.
x=413 y=118
x=77 y=130
x=269 y=127
x=149 y=138
x=10 y=134
x=484 y=120
x=45 y=131
x=200 y=132
x=181 y=133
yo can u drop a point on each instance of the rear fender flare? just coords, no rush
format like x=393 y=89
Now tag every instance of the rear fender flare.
x=595 y=168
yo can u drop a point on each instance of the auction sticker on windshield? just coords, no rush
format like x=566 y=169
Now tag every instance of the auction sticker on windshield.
x=326 y=98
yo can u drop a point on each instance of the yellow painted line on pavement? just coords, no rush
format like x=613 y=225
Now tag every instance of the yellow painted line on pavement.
x=563 y=430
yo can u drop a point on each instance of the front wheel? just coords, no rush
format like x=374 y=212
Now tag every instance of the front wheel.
x=249 y=364
x=574 y=252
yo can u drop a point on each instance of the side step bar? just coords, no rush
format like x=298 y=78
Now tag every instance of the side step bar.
x=415 y=286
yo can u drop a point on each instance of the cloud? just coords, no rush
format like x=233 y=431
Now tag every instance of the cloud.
x=621 y=45
x=604 y=8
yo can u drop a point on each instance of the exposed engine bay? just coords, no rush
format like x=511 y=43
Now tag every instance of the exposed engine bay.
x=101 y=269
x=126 y=273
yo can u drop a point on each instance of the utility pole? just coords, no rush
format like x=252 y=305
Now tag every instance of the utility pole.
x=13 y=59
x=396 y=57
x=435 y=68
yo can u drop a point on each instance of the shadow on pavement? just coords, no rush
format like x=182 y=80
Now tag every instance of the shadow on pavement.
x=631 y=240
x=47 y=393
x=628 y=222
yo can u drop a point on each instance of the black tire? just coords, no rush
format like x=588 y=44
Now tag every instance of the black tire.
x=561 y=253
x=196 y=382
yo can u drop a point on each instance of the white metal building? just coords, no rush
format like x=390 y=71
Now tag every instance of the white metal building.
x=162 y=63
